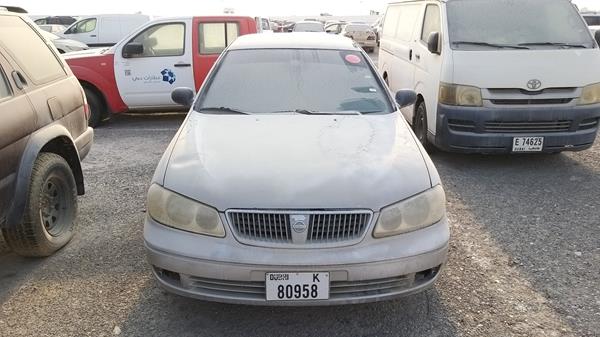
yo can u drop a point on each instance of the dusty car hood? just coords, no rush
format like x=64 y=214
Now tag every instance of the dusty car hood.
x=296 y=161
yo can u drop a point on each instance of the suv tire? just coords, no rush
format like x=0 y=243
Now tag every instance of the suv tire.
x=50 y=211
x=96 y=108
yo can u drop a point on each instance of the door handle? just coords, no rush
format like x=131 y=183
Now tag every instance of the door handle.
x=410 y=55
x=181 y=65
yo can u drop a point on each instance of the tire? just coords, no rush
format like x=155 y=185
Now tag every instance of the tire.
x=96 y=108
x=3 y=245
x=50 y=211
x=420 y=126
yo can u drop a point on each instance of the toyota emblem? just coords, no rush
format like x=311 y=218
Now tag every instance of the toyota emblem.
x=534 y=84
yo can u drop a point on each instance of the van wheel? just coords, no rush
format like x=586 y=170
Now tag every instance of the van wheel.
x=96 y=108
x=420 y=126
x=50 y=211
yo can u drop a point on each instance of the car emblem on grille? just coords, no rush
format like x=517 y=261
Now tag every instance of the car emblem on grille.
x=534 y=84
x=299 y=222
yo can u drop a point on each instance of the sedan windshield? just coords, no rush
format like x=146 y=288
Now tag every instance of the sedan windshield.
x=485 y=24
x=294 y=81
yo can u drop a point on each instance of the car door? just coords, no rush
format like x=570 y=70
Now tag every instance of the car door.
x=212 y=36
x=18 y=122
x=165 y=63
x=428 y=65
x=85 y=31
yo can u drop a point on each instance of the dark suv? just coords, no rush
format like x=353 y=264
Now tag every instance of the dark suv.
x=43 y=137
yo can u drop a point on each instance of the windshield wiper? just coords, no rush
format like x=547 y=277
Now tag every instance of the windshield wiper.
x=221 y=110
x=309 y=112
x=558 y=44
x=493 y=45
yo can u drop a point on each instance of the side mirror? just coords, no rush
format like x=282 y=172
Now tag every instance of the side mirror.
x=406 y=98
x=433 y=43
x=183 y=96
x=597 y=36
x=132 y=49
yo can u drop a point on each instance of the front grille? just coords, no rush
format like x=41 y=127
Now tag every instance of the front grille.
x=531 y=101
x=317 y=227
x=461 y=125
x=527 y=127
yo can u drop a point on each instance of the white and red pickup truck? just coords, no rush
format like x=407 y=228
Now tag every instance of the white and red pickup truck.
x=140 y=71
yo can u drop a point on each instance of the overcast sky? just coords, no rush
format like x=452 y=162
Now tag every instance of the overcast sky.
x=201 y=7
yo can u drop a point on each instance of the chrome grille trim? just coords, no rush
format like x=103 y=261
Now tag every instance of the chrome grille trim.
x=273 y=228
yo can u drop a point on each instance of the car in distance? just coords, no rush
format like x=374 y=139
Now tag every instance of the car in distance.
x=54 y=29
x=44 y=135
x=512 y=81
x=63 y=45
x=361 y=34
x=318 y=194
x=308 y=26
x=141 y=70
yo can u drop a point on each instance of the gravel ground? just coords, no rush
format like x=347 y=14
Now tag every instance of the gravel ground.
x=524 y=257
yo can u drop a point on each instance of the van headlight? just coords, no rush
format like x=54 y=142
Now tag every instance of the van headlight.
x=590 y=95
x=460 y=95
x=174 y=210
x=420 y=211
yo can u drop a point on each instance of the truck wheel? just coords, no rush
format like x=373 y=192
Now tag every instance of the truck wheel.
x=420 y=126
x=50 y=211
x=96 y=108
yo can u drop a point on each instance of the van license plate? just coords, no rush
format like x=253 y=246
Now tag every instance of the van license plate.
x=297 y=286
x=528 y=144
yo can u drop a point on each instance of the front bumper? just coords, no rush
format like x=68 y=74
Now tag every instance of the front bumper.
x=224 y=270
x=465 y=129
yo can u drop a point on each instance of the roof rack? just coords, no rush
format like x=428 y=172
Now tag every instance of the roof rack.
x=13 y=9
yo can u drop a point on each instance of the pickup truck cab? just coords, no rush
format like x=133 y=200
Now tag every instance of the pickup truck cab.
x=140 y=71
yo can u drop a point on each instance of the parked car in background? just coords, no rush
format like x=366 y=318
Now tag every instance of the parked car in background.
x=308 y=26
x=56 y=20
x=141 y=70
x=593 y=21
x=64 y=45
x=337 y=202
x=44 y=135
x=54 y=29
x=335 y=28
x=483 y=88
x=104 y=30
x=361 y=34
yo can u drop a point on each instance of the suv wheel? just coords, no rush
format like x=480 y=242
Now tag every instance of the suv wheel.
x=420 y=126
x=96 y=108
x=50 y=212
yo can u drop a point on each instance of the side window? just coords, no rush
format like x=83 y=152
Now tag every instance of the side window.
x=216 y=36
x=84 y=26
x=31 y=53
x=162 y=40
x=390 y=23
x=431 y=23
x=5 y=90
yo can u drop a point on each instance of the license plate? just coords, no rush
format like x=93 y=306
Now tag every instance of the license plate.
x=528 y=144
x=297 y=286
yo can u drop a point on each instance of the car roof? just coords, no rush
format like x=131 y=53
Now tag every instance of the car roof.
x=298 y=40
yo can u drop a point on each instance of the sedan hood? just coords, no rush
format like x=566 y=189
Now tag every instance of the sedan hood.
x=296 y=161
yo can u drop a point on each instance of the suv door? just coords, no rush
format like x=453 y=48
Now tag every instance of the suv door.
x=18 y=122
x=146 y=79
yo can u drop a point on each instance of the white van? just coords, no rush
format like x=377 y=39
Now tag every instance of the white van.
x=104 y=30
x=495 y=76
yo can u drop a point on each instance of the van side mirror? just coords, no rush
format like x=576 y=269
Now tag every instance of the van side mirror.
x=433 y=43
x=597 y=36
x=132 y=49
x=406 y=97
x=183 y=96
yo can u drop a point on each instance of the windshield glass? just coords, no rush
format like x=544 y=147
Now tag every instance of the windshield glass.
x=514 y=22
x=290 y=80
x=309 y=27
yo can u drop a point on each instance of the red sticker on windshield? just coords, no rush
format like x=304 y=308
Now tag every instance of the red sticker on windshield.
x=352 y=59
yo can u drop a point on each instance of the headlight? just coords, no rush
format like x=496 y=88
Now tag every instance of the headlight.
x=174 y=210
x=420 y=211
x=590 y=95
x=461 y=95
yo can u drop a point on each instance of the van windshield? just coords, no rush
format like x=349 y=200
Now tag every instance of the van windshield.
x=294 y=81
x=507 y=24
